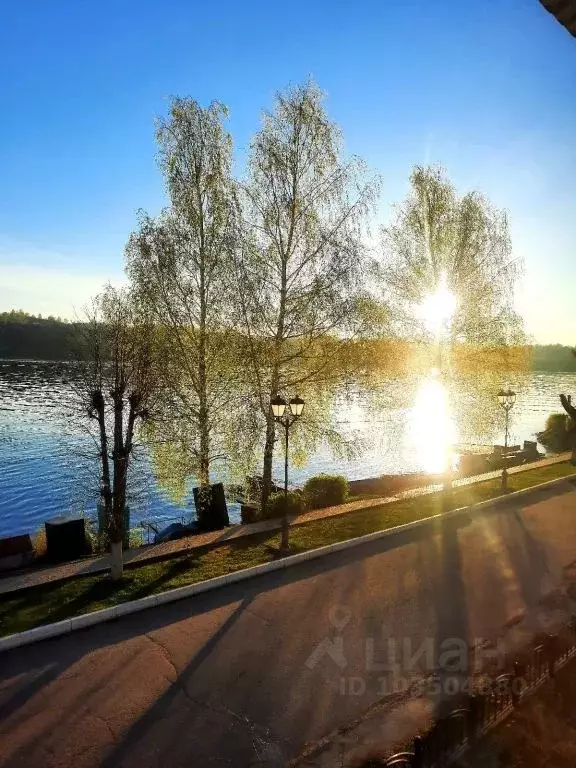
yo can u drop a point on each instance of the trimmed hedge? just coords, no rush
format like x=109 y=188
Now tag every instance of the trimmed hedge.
x=325 y=491
x=275 y=506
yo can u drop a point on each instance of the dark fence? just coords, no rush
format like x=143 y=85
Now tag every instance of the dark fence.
x=453 y=734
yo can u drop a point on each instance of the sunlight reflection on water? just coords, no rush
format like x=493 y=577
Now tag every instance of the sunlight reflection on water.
x=432 y=430
x=407 y=425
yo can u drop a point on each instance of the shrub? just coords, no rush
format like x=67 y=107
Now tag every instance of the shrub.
x=558 y=434
x=275 y=506
x=39 y=542
x=325 y=491
x=136 y=537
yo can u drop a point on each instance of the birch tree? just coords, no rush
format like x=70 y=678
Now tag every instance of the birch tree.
x=302 y=260
x=180 y=263
x=438 y=237
x=117 y=392
x=445 y=248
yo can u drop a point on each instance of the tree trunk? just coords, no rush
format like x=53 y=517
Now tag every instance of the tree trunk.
x=119 y=464
x=116 y=560
x=204 y=442
x=275 y=385
x=204 y=477
x=203 y=410
x=566 y=401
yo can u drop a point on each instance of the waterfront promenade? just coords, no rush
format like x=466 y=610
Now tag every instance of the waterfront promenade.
x=241 y=676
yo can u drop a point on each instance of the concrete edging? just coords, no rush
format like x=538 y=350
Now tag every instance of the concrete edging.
x=135 y=606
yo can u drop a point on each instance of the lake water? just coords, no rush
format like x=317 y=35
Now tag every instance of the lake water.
x=47 y=465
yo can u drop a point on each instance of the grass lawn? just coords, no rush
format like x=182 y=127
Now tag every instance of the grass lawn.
x=43 y=605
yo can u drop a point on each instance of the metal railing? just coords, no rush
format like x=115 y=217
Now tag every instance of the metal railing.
x=454 y=734
x=152 y=527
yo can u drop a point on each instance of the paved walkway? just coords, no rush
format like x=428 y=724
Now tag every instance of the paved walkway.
x=250 y=674
x=91 y=565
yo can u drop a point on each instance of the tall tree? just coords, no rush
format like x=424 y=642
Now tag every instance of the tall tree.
x=301 y=261
x=461 y=243
x=180 y=264
x=116 y=392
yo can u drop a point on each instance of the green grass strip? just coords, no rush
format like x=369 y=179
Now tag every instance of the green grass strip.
x=56 y=602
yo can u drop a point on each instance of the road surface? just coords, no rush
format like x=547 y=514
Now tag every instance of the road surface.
x=251 y=674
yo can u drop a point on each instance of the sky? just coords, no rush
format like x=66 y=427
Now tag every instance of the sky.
x=484 y=88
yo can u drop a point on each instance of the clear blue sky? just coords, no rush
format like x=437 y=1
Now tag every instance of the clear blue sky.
x=485 y=88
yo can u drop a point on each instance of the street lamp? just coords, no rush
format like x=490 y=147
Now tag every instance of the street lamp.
x=506 y=398
x=286 y=416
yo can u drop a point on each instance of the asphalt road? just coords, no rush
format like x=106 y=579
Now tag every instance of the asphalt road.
x=251 y=674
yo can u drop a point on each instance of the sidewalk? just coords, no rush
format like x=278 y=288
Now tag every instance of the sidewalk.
x=141 y=555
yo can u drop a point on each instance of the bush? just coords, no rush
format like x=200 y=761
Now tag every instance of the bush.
x=275 y=506
x=39 y=542
x=558 y=435
x=325 y=491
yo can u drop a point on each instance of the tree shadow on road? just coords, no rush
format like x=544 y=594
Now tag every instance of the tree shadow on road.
x=452 y=641
x=30 y=671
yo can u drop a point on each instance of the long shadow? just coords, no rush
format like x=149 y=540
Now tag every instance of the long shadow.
x=156 y=618
x=157 y=711
x=23 y=757
x=160 y=617
x=535 y=495
x=50 y=652
x=529 y=560
x=55 y=656
x=527 y=554
x=451 y=642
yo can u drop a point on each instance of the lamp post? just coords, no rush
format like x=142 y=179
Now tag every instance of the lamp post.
x=506 y=398
x=286 y=416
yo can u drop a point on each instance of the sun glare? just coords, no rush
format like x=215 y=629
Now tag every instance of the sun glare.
x=432 y=429
x=438 y=308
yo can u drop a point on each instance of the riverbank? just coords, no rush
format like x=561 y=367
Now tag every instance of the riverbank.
x=154 y=687
x=46 y=471
x=82 y=594
x=34 y=577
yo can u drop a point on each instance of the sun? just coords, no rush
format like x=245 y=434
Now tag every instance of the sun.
x=438 y=308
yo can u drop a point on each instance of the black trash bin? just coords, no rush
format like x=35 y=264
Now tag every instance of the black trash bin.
x=65 y=538
x=211 y=507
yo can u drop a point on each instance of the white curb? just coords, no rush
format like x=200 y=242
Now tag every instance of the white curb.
x=135 y=606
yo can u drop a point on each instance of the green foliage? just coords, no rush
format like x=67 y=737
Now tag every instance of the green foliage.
x=301 y=266
x=558 y=434
x=180 y=264
x=325 y=491
x=276 y=505
x=19 y=316
x=440 y=235
x=171 y=461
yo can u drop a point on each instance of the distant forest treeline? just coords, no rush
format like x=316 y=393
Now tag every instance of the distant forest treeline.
x=31 y=337
x=553 y=357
